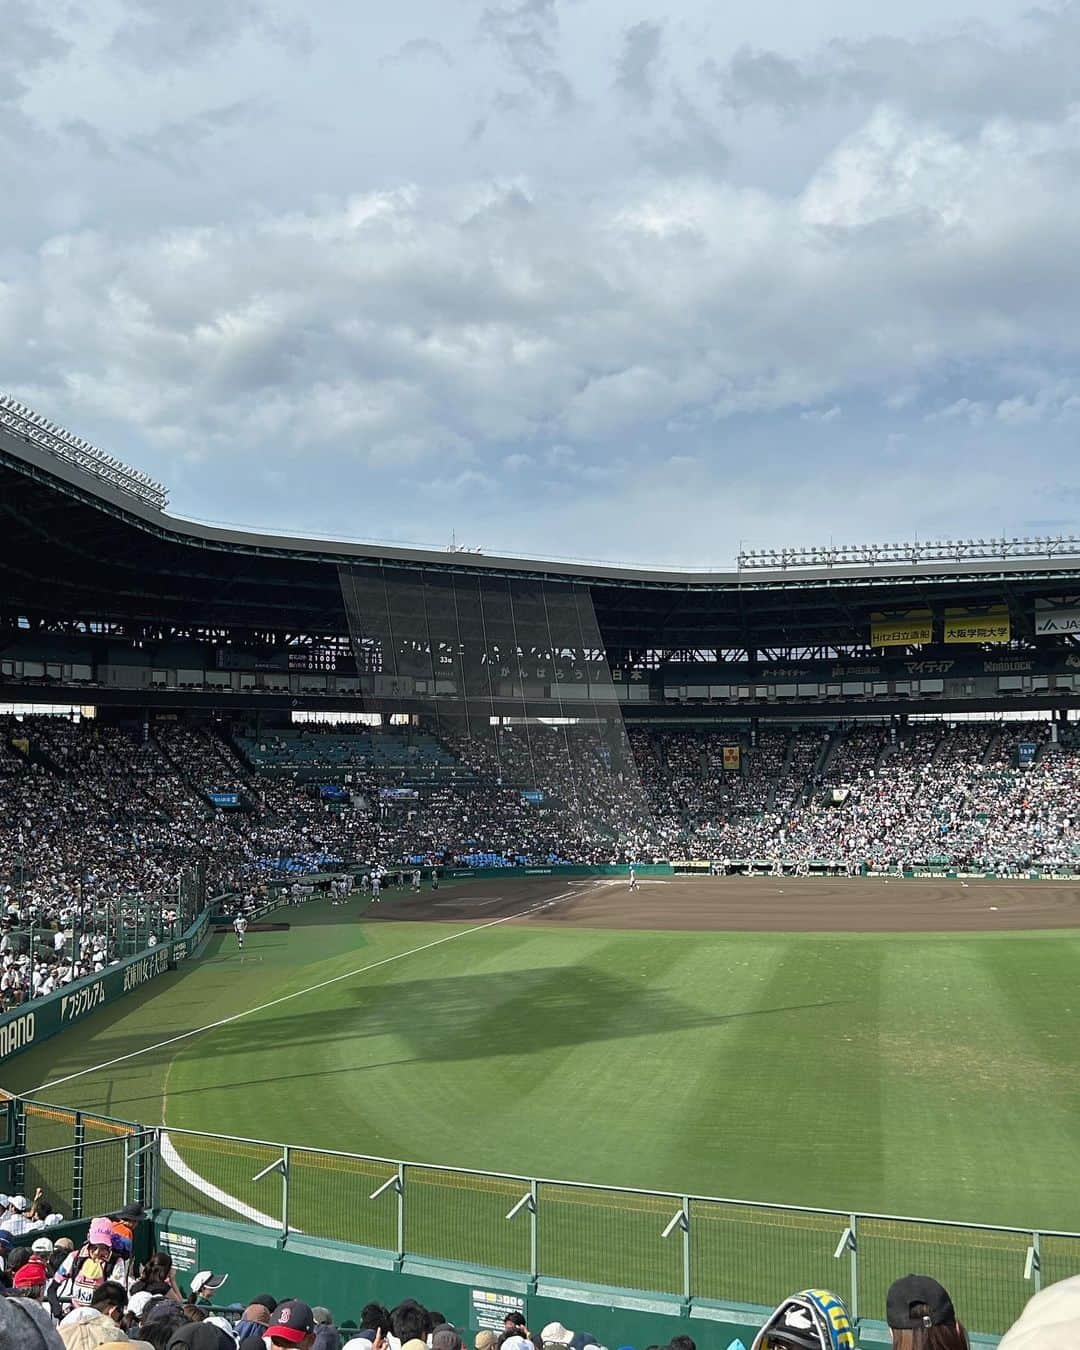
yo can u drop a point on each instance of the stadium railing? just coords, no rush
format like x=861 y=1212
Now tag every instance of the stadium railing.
x=700 y=1248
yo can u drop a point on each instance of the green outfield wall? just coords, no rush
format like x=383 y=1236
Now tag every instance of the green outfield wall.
x=343 y=1278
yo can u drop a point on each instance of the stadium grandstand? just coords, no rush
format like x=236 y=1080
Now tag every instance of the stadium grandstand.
x=294 y=703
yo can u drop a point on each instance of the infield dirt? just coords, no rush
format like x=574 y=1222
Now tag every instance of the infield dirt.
x=754 y=904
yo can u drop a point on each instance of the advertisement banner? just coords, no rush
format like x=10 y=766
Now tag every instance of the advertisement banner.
x=991 y=626
x=32 y=1023
x=914 y=629
x=731 y=758
x=1051 y=621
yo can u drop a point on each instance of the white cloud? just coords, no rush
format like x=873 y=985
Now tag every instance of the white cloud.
x=263 y=266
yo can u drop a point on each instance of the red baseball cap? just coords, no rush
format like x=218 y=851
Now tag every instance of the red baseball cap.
x=291 y=1322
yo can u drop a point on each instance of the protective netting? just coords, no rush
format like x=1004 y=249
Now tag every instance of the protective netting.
x=513 y=677
x=608 y=1237
x=760 y=1254
x=982 y=1268
x=461 y=1216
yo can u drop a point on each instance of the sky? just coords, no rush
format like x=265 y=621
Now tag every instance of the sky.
x=599 y=279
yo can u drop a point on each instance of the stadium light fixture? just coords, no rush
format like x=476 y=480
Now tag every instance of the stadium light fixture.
x=914 y=552
x=30 y=426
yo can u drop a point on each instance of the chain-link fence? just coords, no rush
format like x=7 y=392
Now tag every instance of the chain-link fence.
x=691 y=1246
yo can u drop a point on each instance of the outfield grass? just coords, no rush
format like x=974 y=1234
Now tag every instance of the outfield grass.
x=932 y=1075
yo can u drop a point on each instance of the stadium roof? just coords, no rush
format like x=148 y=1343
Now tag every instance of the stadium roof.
x=78 y=543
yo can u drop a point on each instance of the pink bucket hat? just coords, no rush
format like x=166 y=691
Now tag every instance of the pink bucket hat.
x=101 y=1231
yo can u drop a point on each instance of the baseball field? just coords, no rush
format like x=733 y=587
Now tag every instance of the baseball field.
x=897 y=1048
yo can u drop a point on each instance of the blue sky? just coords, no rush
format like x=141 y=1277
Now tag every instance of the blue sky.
x=571 y=277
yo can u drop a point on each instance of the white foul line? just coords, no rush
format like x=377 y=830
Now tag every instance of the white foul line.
x=285 y=998
x=175 y=1163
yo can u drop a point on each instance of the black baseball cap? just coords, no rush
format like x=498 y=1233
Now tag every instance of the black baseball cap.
x=291 y=1321
x=905 y=1293
x=267 y=1301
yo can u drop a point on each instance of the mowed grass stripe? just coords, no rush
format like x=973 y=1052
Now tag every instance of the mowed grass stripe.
x=1038 y=1088
x=970 y=1088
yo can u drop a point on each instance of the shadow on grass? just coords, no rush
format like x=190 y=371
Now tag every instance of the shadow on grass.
x=460 y=1019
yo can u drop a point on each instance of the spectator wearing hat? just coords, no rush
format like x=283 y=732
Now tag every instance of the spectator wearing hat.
x=485 y=1340
x=85 y=1271
x=921 y=1316
x=291 y=1324
x=27 y=1326
x=327 y=1336
x=813 y=1319
x=556 y=1334
x=140 y=1303
x=160 y=1322
x=205 y=1284
x=15 y=1218
x=446 y=1337
x=31 y=1279
x=515 y=1342
x=253 y=1322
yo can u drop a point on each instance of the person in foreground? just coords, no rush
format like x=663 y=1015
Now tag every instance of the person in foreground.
x=813 y=1319
x=1050 y=1318
x=921 y=1316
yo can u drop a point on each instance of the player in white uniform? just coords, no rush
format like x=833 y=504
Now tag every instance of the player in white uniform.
x=240 y=926
x=633 y=878
x=376 y=888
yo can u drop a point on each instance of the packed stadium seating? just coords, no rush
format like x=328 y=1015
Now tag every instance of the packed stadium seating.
x=98 y=820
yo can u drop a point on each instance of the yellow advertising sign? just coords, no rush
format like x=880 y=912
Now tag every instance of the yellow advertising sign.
x=993 y=626
x=731 y=758
x=901 y=630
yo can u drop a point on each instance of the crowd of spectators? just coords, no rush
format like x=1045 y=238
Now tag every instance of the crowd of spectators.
x=56 y=1295
x=97 y=822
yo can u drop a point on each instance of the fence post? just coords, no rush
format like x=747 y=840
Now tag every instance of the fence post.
x=19 y=1170
x=686 y=1262
x=534 y=1242
x=400 y=1188
x=139 y=1178
x=1033 y=1264
x=853 y=1221
x=285 y=1190
x=78 y=1167
x=155 y=1171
